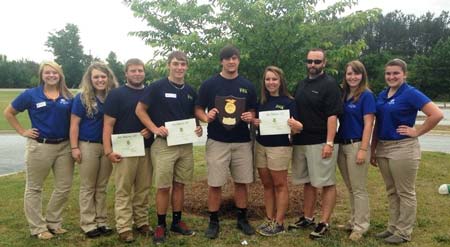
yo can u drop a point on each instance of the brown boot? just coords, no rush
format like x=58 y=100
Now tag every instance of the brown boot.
x=126 y=237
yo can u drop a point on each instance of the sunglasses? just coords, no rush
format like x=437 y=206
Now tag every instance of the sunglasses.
x=315 y=61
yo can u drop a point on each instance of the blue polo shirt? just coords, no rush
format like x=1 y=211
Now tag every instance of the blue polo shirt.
x=91 y=128
x=220 y=86
x=400 y=109
x=351 y=122
x=121 y=105
x=167 y=102
x=273 y=104
x=51 y=118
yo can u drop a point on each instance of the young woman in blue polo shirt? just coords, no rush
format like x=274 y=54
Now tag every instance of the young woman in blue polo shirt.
x=86 y=128
x=47 y=147
x=273 y=153
x=355 y=130
x=395 y=147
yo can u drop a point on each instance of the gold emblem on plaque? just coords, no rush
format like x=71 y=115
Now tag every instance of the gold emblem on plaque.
x=230 y=106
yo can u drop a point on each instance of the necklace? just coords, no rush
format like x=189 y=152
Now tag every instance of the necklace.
x=177 y=86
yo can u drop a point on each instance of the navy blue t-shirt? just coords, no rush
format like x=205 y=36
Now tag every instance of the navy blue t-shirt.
x=351 y=123
x=400 y=109
x=91 y=128
x=316 y=99
x=220 y=86
x=272 y=104
x=166 y=102
x=50 y=117
x=121 y=105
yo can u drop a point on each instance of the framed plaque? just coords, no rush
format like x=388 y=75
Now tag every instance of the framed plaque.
x=230 y=110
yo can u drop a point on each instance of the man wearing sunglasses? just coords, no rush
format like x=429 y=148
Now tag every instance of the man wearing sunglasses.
x=314 y=157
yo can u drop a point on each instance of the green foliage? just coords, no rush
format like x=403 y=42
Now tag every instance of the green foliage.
x=18 y=74
x=268 y=32
x=431 y=73
x=66 y=46
x=117 y=67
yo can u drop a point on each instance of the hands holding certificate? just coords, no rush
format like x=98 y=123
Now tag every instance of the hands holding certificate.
x=277 y=122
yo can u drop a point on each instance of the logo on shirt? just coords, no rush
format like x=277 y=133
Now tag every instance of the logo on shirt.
x=243 y=90
x=353 y=106
x=391 y=102
x=281 y=107
x=190 y=97
x=63 y=101
x=314 y=92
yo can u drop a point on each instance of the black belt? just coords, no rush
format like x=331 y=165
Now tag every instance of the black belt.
x=91 y=141
x=50 y=141
x=350 y=141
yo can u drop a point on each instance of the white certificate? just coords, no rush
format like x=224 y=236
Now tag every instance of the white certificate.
x=274 y=122
x=181 y=131
x=128 y=145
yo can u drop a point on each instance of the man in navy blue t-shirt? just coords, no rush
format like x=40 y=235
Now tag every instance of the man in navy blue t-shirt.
x=227 y=150
x=133 y=175
x=166 y=100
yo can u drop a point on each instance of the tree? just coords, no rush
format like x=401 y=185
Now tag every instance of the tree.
x=18 y=74
x=116 y=66
x=268 y=32
x=66 y=46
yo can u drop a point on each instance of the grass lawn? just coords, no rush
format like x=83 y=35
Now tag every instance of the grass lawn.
x=432 y=227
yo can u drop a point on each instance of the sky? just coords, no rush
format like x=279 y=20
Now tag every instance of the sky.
x=104 y=25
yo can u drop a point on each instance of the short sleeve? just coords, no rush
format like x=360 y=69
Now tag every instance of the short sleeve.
x=417 y=99
x=111 y=106
x=23 y=101
x=77 y=107
x=368 y=103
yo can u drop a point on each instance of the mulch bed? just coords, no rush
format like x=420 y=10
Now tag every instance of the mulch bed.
x=196 y=197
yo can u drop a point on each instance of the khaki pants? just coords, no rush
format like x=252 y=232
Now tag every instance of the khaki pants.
x=399 y=162
x=174 y=163
x=355 y=178
x=400 y=179
x=40 y=159
x=95 y=169
x=133 y=178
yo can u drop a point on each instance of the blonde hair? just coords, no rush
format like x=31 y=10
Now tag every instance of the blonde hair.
x=62 y=87
x=282 y=90
x=359 y=69
x=88 y=91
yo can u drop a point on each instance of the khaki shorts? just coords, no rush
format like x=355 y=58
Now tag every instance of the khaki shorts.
x=224 y=158
x=273 y=158
x=309 y=167
x=174 y=163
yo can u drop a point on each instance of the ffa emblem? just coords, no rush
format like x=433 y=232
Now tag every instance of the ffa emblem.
x=230 y=106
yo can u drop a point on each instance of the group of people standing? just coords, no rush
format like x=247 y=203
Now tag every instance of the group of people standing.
x=372 y=130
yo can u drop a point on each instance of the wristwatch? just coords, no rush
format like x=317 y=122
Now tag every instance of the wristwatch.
x=330 y=143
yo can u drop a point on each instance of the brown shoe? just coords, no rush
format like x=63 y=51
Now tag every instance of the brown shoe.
x=355 y=236
x=45 y=235
x=126 y=237
x=145 y=230
x=57 y=231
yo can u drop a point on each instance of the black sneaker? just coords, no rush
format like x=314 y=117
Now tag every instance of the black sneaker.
x=245 y=227
x=320 y=230
x=105 y=231
x=272 y=230
x=160 y=235
x=302 y=223
x=93 y=233
x=182 y=229
x=213 y=230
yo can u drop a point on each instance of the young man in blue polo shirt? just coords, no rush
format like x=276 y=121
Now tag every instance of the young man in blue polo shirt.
x=227 y=150
x=133 y=175
x=169 y=99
